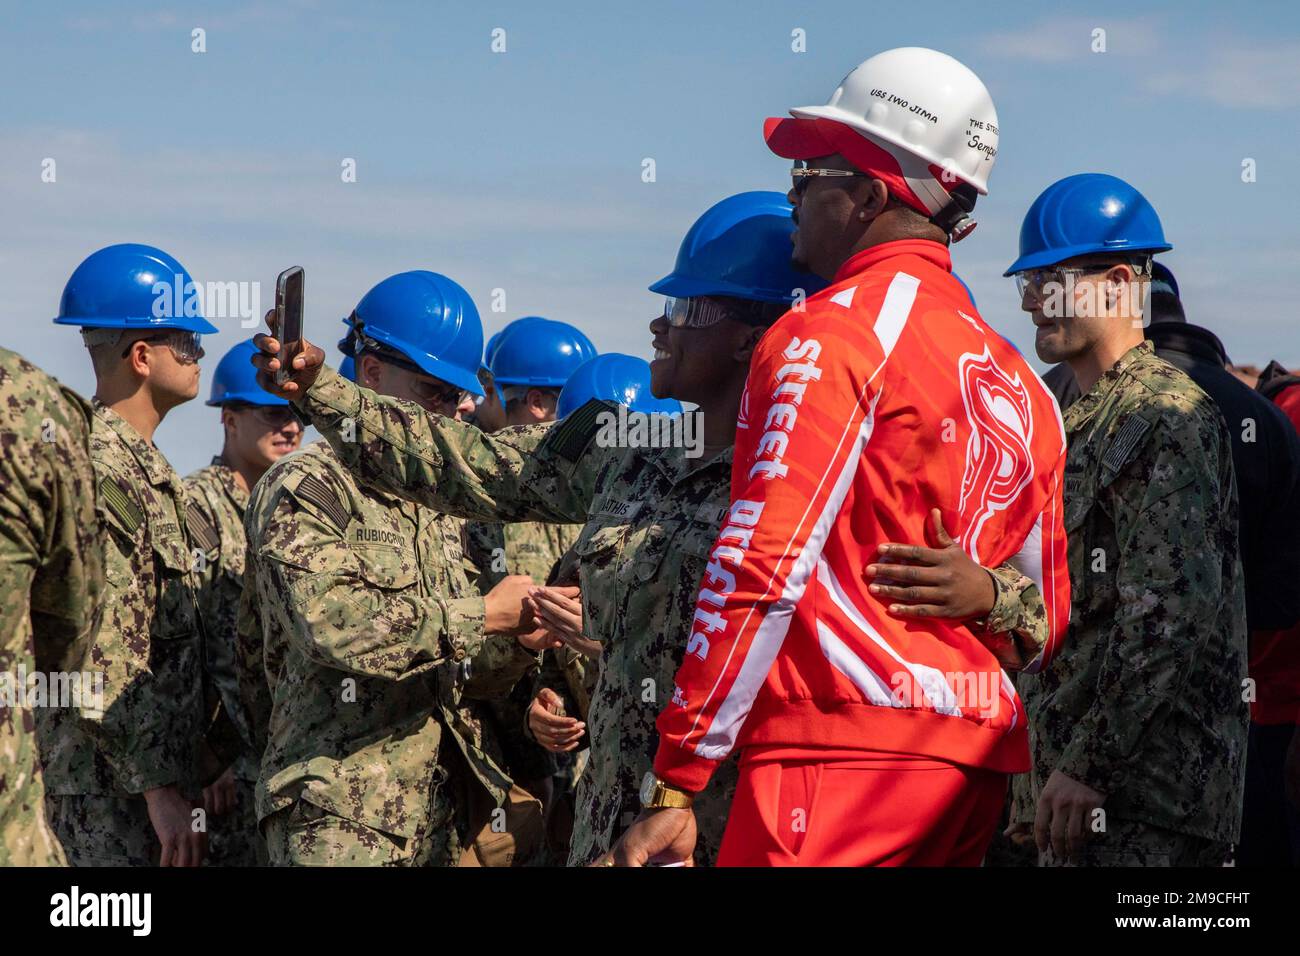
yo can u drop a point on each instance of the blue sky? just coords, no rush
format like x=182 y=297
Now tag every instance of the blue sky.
x=522 y=170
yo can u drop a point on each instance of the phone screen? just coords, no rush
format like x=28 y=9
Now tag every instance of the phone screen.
x=288 y=309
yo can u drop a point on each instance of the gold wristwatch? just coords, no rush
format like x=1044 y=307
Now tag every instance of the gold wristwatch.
x=655 y=794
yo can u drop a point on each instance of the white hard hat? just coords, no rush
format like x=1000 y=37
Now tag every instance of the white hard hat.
x=926 y=111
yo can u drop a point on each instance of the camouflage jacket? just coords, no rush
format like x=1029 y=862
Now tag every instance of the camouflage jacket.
x=215 y=519
x=150 y=643
x=524 y=547
x=51 y=583
x=372 y=637
x=650 y=517
x=1145 y=701
x=566 y=671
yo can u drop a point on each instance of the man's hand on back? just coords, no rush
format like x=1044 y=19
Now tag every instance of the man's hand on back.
x=931 y=582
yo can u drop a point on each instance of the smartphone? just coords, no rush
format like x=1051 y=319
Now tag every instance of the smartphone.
x=288 y=315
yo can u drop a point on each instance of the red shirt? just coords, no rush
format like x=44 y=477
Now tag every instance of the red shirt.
x=886 y=396
x=1275 y=655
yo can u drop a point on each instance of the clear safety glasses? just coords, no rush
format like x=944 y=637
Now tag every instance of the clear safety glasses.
x=1038 y=279
x=272 y=416
x=186 y=346
x=693 y=313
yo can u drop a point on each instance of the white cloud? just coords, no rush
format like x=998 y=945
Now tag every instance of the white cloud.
x=1061 y=39
x=1259 y=76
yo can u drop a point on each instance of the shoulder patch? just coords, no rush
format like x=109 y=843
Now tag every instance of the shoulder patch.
x=314 y=491
x=120 y=504
x=1126 y=441
x=570 y=438
x=200 y=528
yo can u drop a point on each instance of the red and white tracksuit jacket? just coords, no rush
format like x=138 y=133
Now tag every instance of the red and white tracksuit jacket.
x=886 y=396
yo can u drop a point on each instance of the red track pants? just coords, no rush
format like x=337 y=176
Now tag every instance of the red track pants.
x=797 y=809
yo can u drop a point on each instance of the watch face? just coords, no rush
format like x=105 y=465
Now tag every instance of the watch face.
x=648 y=788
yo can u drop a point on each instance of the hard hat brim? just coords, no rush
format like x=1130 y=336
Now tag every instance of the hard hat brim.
x=685 y=287
x=451 y=374
x=259 y=398
x=140 y=324
x=443 y=371
x=541 y=381
x=1050 y=257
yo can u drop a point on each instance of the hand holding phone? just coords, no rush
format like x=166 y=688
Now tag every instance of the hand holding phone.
x=288 y=318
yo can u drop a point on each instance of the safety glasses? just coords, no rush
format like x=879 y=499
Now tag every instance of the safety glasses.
x=703 y=312
x=441 y=394
x=1038 y=279
x=272 y=416
x=428 y=389
x=693 y=313
x=803 y=175
x=186 y=346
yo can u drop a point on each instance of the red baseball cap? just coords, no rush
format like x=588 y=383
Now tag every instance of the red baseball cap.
x=798 y=138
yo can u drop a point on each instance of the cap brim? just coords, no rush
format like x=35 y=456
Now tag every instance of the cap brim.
x=794 y=138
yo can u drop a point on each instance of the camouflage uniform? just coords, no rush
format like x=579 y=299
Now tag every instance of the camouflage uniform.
x=1144 y=701
x=372 y=638
x=150 y=650
x=524 y=547
x=215 y=518
x=650 y=519
x=51 y=581
x=531 y=548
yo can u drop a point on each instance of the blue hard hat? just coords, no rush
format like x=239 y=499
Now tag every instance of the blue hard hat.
x=430 y=320
x=740 y=248
x=348 y=368
x=347 y=344
x=131 y=286
x=537 y=351
x=616 y=378
x=236 y=379
x=490 y=351
x=1085 y=214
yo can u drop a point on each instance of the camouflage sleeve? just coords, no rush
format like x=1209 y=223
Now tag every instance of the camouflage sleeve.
x=250 y=666
x=1171 y=530
x=200 y=524
x=67 y=590
x=1016 y=629
x=313 y=580
x=51 y=579
x=498 y=666
x=148 y=651
x=443 y=464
